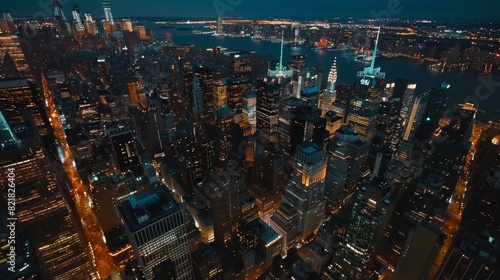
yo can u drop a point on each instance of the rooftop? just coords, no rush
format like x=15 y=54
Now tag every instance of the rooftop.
x=13 y=83
x=147 y=207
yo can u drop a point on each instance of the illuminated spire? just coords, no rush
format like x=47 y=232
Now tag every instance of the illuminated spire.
x=281 y=54
x=332 y=77
x=372 y=65
x=7 y=137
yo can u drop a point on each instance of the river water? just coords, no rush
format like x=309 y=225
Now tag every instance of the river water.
x=463 y=85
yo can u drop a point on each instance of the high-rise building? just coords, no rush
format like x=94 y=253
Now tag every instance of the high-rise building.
x=207 y=263
x=415 y=116
x=124 y=148
x=240 y=65
x=225 y=138
x=328 y=96
x=17 y=97
x=250 y=108
x=104 y=75
x=347 y=157
x=223 y=192
x=268 y=96
x=107 y=12
x=156 y=228
x=363 y=108
x=42 y=210
x=356 y=254
x=14 y=63
x=433 y=111
x=77 y=19
x=236 y=88
x=305 y=189
x=205 y=76
x=133 y=93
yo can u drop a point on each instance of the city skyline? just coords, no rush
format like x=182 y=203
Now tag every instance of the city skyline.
x=248 y=149
x=264 y=9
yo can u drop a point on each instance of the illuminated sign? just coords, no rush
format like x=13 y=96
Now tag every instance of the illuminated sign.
x=364 y=82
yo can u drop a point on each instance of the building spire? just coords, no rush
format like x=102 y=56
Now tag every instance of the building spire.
x=281 y=53
x=372 y=65
x=7 y=137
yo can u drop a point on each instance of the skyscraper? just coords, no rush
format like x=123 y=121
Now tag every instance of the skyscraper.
x=363 y=107
x=305 y=189
x=268 y=96
x=355 y=256
x=347 y=157
x=18 y=97
x=107 y=12
x=42 y=210
x=124 y=148
x=328 y=96
x=77 y=19
x=155 y=226
x=11 y=50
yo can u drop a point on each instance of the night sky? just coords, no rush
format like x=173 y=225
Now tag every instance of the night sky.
x=483 y=9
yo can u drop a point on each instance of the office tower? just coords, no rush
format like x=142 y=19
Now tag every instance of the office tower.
x=197 y=97
x=77 y=19
x=451 y=148
x=268 y=96
x=205 y=76
x=42 y=211
x=459 y=129
x=207 y=263
x=222 y=190
x=225 y=138
x=250 y=108
x=299 y=67
x=362 y=115
x=12 y=51
x=415 y=116
x=305 y=189
x=363 y=107
x=123 y=186
x=386 y=137
x=133 y=93
x=433 y=111
x=123 y=143
x=343 y=95
x=156 y=228
x=356 y=253
x=328 y=96
x=286 y=221
x=269 y=242
x=424 y=203
x=60 y=18
x=333 y=123
x=268 y=180
x=236 y=88
x=127 y=25
x=287 y=113
x=17 y=97
x=90 y=24
x=107 y=12
x=104 y=76
x=347 y=157
x=220 y=94
x=307 y=127
x=240 y=65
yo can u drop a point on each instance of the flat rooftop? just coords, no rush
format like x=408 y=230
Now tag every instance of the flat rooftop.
x=147 y=207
